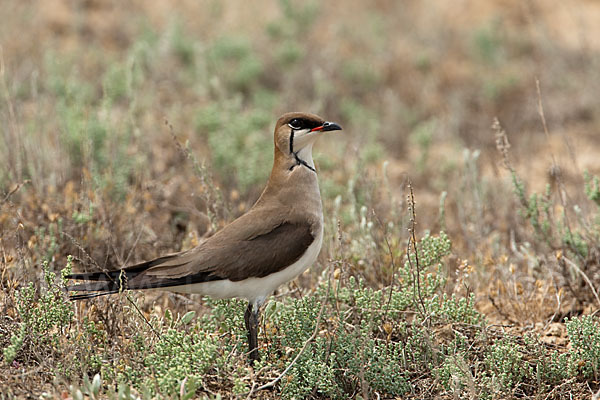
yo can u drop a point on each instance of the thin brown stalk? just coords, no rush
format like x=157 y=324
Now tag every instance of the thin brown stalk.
x=392 y=261
x=14 y=190
x=412 y=246
x=212 y=196
x=555 y=167
x=584 y=276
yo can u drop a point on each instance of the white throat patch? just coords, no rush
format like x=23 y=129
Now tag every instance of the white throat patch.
x=305 y=154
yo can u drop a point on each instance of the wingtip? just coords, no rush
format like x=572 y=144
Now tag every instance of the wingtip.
x=87 y=296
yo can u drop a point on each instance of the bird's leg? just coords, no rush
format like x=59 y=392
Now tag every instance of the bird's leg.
x=251 y=319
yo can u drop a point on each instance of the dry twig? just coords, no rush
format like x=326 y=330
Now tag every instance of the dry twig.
x=412 y=246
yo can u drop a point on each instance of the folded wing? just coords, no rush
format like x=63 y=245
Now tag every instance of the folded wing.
x=223 y=256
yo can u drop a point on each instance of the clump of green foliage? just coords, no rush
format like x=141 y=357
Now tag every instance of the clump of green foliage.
x=584 y=336
x=238 y=141
x=559 y=223
x=43 y=320
x=178 y=356
x=592 y=187
x=506 y=365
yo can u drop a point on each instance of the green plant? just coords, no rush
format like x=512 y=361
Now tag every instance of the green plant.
x=368 y=121
x=507 y=366
x=360 y=74
x=183 y=46
x=238 y=146
x=422 y=136
x=234 y=61
x=592 y=187
x=43 y=319
x=584 y=336
x=180 y=358
x=488 y=42
x=454 y=374
x=550 y=215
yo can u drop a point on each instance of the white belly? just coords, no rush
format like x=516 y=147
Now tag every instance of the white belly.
x=255 y=289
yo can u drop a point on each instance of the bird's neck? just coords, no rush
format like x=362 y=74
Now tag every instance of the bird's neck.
x=289 y=162
x=292 y=182
x=304 y=158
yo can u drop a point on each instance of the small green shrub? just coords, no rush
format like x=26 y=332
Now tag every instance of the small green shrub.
x=455 y=309
x=227 y=316
x=233 y=60
x=506 y=366
x=592 y=187
x=488 y=42
x=115 y=82
x=422 y=136
x=454 y=374
x=552 y=367
x=315 y=372
x=584 y=336
x=332 y=364
x=555 y=230
x=44 y=315
x=289 y=53
x=180 y=355
x=183 y=46
x=360 y=74
x=238 y=146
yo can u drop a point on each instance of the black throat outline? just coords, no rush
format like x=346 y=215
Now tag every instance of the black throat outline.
x=299 y=161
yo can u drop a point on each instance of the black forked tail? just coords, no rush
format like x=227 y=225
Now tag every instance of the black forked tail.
x=100 y=283
x=115 y=281
x=133 y=278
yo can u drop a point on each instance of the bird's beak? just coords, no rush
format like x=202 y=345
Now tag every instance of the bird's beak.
x=327 y=126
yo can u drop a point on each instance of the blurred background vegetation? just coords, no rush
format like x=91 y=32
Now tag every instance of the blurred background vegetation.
x=131 y=129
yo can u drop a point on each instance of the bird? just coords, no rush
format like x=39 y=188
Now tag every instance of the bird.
x=249 y=258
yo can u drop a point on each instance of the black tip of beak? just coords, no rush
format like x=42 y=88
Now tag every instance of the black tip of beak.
x=331 y=126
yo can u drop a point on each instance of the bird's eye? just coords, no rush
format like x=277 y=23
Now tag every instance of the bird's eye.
x=295 y=124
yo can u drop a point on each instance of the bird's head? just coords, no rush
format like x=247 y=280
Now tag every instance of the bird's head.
x=296 y=132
